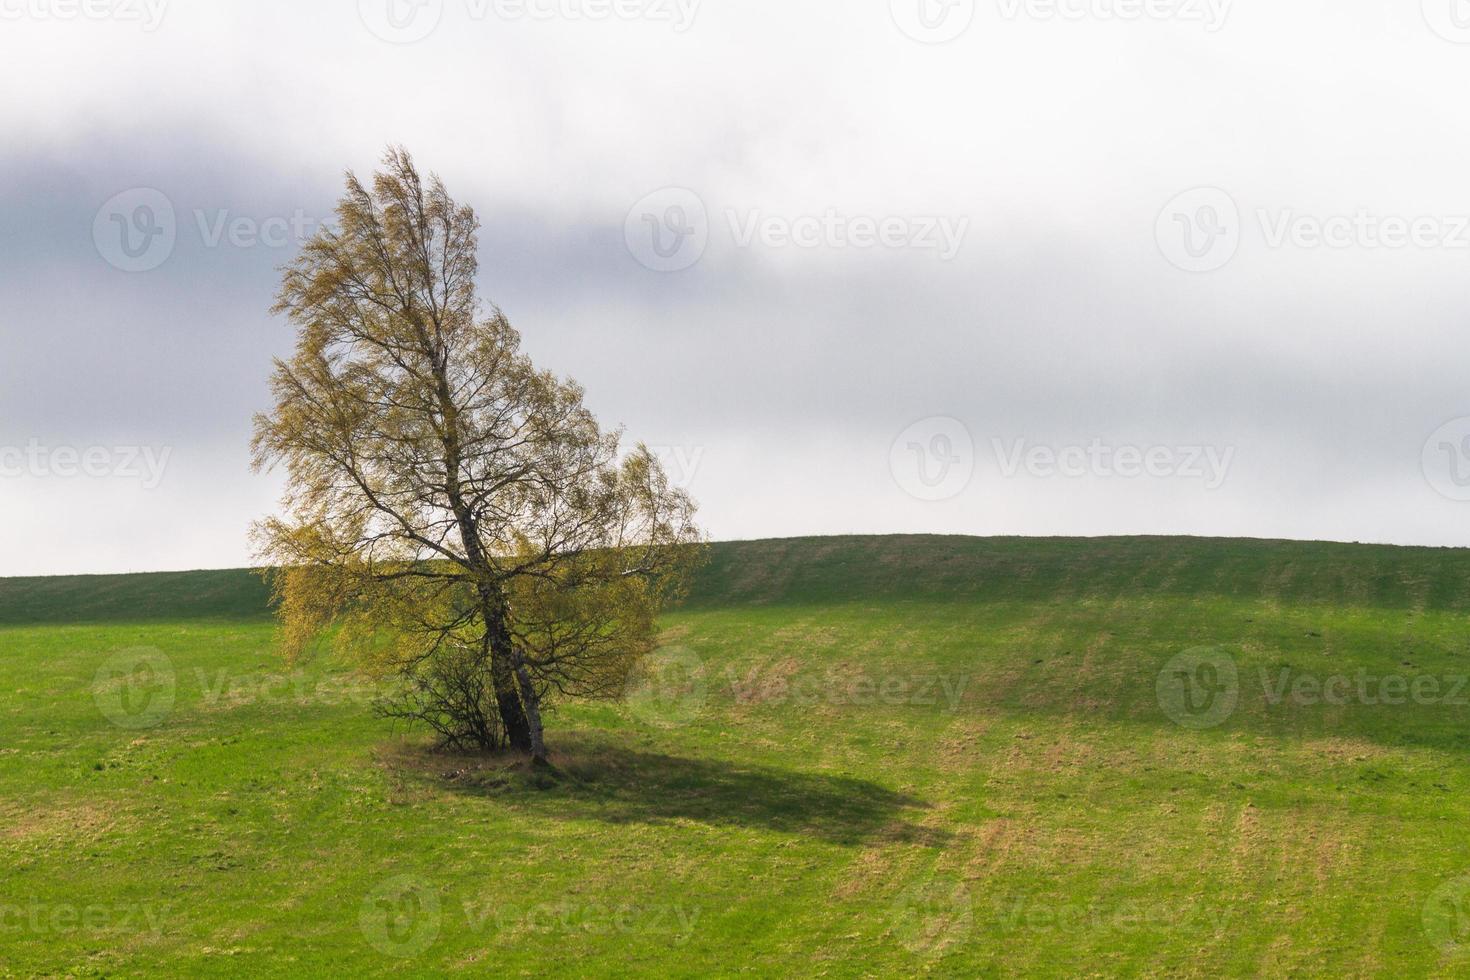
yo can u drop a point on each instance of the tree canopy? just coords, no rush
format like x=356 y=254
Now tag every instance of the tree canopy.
x=454 y=517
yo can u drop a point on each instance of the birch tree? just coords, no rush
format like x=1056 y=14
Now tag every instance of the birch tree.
x=454 y=517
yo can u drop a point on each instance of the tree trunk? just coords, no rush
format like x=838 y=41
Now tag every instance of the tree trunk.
x=532 y=702
x=502 y=676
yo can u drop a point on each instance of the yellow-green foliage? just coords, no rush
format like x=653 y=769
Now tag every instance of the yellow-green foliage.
x=442 y=492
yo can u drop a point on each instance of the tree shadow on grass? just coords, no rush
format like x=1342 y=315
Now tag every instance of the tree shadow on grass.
x=602 y=780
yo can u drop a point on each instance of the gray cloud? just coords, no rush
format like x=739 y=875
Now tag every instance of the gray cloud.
x=776 y=377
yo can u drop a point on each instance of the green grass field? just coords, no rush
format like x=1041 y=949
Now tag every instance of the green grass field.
x=853 y=757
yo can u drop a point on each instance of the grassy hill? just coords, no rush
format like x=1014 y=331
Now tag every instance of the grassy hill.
x=852 y=756
x=232 y=594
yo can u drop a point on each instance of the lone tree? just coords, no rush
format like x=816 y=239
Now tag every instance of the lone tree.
x=454 y=518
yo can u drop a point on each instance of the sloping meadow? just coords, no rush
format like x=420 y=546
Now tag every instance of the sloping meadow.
x=850 y=756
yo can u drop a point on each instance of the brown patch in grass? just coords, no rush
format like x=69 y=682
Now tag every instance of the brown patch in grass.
x=1338 y=750
x=1083 y=680
x=959 y=749
x=1055 y=749
x=994 y=843
x=1333 y=853
x=807 y=636
x=1066 y=753
x=896 y=843
x=1275 y=961
x=873 y=864
x=1248 y=838
x=761 y=681
x=80 y=821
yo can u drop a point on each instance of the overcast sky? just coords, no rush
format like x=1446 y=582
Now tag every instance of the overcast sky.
x=989 y=267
